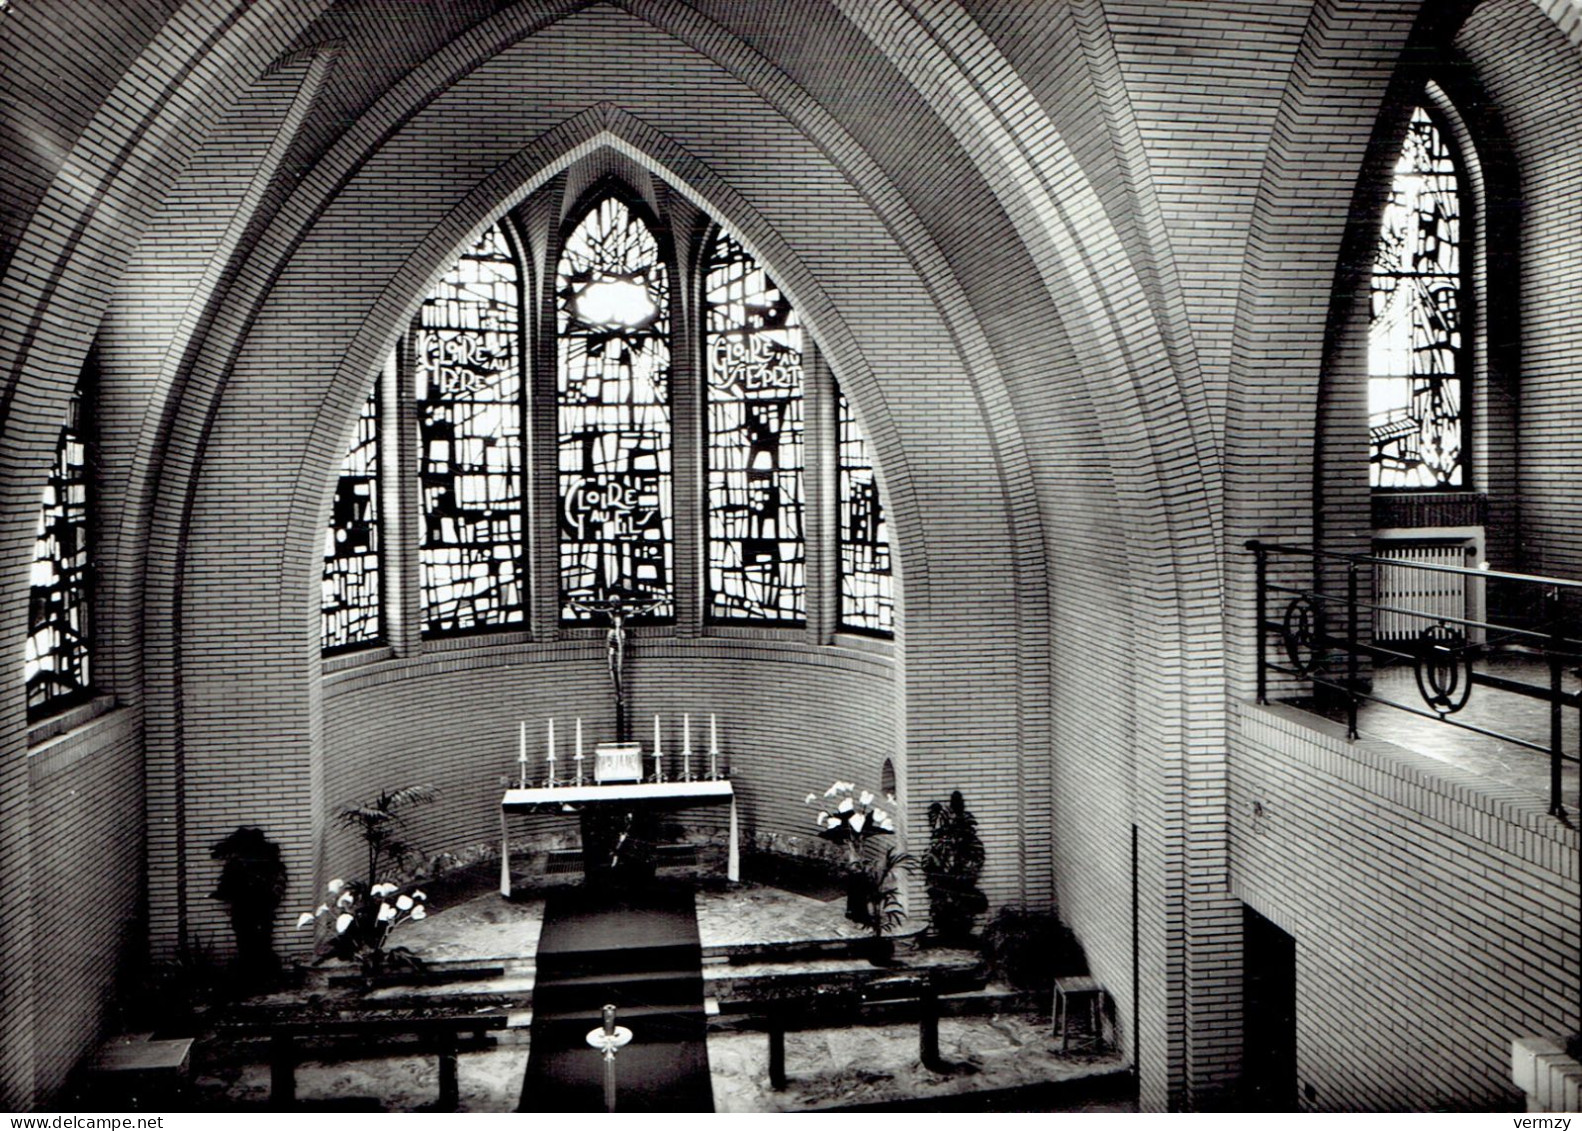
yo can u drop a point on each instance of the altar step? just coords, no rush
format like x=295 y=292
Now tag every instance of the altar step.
x=568 y=861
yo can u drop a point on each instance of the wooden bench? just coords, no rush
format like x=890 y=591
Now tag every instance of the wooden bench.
x=842 y=1005
x=291 y=1042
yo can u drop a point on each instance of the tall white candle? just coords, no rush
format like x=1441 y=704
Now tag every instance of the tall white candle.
x=551 y=742
x=656 y=736
x=686 y=734
x=579 y=736
x=714 y=738
x=521 y=753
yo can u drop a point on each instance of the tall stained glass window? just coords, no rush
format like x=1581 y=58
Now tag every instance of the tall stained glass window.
x=1415 y=341
x=469 y=408
x=755 y=491
x=867 y=591
x=56 y=661
x=351 y=543
x=612 y=291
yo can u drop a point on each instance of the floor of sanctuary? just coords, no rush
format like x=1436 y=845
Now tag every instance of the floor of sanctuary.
x=754 y=939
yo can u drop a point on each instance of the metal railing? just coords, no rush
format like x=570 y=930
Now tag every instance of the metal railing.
x=1317 y=608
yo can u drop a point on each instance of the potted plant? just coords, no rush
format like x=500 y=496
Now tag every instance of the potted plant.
x=951 y=868
x=850 y=817
x=882 y=912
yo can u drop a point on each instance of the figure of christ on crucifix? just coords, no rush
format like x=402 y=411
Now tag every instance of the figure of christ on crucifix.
x=619 y=607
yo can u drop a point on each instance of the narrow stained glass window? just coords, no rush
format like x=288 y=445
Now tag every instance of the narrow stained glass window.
x=867 y=593
x=351 y=543
x=56 y=664
x=469 y=402
x=614 y=414
x=755 y=499
x=1415 y=339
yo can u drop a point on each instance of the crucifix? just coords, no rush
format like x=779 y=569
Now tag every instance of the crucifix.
x=619 y=607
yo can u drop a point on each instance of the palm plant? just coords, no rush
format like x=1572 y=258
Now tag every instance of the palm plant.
x=883 y=912
x=379 y=821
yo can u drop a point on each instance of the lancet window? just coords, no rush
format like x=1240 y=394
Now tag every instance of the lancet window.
x=867 y=594
x=351 y=602
x=753 y=350
x=467 y=369
x=1415 y=347
x=56 y=663
x=613 y=322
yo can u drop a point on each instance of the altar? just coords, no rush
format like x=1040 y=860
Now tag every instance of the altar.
x=650 y=793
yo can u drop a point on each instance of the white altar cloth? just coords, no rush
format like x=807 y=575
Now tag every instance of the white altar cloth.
x=526 y=800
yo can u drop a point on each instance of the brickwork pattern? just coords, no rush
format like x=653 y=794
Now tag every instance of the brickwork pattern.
x=1453 y=932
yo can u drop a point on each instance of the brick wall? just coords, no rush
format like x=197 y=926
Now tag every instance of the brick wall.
x=1434 y=913
x=89 y=910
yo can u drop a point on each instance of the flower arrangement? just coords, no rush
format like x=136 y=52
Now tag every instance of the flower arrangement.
x=363 y=917
x=848 y=816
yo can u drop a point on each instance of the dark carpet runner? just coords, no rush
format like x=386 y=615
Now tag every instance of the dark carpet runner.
x=641 y=953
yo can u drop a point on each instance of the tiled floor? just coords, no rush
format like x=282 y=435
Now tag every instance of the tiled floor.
x=1489 y=708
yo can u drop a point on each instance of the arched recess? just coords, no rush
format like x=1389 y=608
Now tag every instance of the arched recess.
x=303 y=249
x=1346 y=511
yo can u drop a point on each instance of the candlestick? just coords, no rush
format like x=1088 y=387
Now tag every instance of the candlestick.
x=659 y=765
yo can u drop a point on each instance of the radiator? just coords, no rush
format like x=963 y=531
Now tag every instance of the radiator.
x=1424 y=595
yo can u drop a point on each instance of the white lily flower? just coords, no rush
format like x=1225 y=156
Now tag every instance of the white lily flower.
x=382 y=890
x=832 y=790
x=810 y=798
x=386 y=913
x=858 y=821
x=336 y=886
x=419 y=896
x=322 y=909
x=846 y=805
x=867 y=797
x=404 y=903
x=419 y=912
x=833 y=823
x=343 y=922
x=304 y=919
x=346 y=899
x=881 y=816
x=887 y=825
x=823 y=815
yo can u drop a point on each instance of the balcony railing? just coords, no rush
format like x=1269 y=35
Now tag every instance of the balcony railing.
x=1316 y=616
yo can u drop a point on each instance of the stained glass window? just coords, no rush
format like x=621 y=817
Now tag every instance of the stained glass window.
x=56 y=662
x=867 y=592
x=351 y=543
x=469 y=409
x=1415 y=340
x=755 y=500
x=614 y=414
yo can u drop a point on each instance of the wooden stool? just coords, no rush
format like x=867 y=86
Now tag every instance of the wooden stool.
x=1067 y=989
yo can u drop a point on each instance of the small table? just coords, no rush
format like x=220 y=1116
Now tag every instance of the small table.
x=665 y=792
x=1078 y=987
